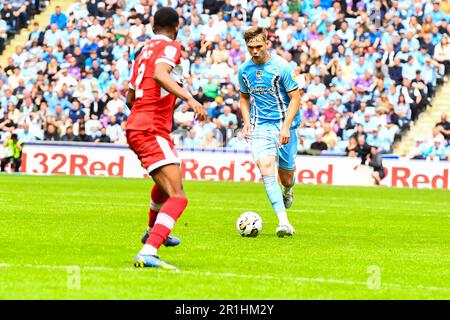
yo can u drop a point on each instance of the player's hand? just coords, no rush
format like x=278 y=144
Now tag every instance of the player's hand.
x=285 y=135
x=247 y=131
x=199 y=110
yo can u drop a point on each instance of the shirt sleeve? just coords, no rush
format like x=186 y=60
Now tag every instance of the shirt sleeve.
x=288 y=77
x=243 y=83
x=170 y=54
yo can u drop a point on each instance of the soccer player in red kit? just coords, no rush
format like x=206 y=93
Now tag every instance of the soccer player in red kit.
x=154 y=87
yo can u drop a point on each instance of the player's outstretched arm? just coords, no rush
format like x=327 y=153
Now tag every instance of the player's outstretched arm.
x=292 y=111
x=244 y=102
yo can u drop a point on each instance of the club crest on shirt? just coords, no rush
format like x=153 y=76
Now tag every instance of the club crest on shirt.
x=259 y=74
x=293 y=76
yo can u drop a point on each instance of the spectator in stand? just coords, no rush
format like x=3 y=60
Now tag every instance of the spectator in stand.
x=83 y=137
x=228 y=118
x=444 y=127
x=350 y=150
x=210 y=88
x=238 y=142
x=191 y=141
x=121 y=116
x=403 y=111
x=210 y=141
x=310 y=116
x=395 y=70
x=318 y=146
x=329 y=114
x=437 y=151
x=36 y=34
x=69 y=136
x=25 y=135
x=59 y=18
x=420 y=150
x=104 y=138
x=329 y=136
x=7 y=125
x=337 y=54
x=93 y=126
x=51 y=134
x=3 y=34
x=442 y=54
x=76 y=112
x=114 y=130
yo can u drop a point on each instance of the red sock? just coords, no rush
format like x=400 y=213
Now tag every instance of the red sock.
x=158 y=198
x=165 y=221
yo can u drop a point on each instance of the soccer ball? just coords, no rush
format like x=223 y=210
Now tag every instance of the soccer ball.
x=249 y=224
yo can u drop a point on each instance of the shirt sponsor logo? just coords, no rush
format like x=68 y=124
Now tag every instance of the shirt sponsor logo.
x=262 y=90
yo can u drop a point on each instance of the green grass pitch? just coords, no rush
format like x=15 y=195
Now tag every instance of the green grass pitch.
x=351 y=243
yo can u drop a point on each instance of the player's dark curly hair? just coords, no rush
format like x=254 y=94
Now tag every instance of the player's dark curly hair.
x=165 y=18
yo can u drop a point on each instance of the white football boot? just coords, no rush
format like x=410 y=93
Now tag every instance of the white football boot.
x=285 y=230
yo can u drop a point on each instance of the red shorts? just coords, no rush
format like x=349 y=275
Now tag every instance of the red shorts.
x=152 y=150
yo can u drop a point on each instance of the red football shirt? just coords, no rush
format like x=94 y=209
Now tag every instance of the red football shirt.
x=153 y=106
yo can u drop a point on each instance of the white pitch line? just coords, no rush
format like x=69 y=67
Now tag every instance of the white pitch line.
x=230 y=200
x=314 y=211
x=424 y=213
x=282 y=278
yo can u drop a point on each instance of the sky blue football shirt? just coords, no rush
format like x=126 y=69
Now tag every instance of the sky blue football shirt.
x=268 y=85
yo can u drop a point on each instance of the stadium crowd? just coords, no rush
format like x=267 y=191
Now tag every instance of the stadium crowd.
x=435 y=146
x=15 y=15
x=366 y=69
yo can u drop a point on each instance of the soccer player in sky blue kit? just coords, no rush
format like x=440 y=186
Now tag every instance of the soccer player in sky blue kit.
x=270 y=101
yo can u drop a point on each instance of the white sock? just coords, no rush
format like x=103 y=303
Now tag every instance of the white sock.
x=282 y=218
x=148 y=250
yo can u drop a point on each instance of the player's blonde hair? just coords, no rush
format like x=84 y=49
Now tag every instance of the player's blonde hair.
x=255 y=32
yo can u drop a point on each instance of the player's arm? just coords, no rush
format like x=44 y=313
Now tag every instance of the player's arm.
x=131 y=96
x=163 y=78
x=291 y=86
x=244 y=102
x=292 y=111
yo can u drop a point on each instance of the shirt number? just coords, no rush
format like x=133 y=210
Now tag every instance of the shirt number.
x=140 y=76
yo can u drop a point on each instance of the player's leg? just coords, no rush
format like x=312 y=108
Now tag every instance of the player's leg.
x=168 y=179
x=4 y=162
x=17 y=164
x=286 y=169
x=264 y=151
x=159 y=158
x=268 y=169
x=376 y=177
x=157 y=200
x=287 y=180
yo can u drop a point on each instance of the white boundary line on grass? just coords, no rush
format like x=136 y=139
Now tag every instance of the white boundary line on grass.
x=230 y=275
x=139 y=196
x=436 y=214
